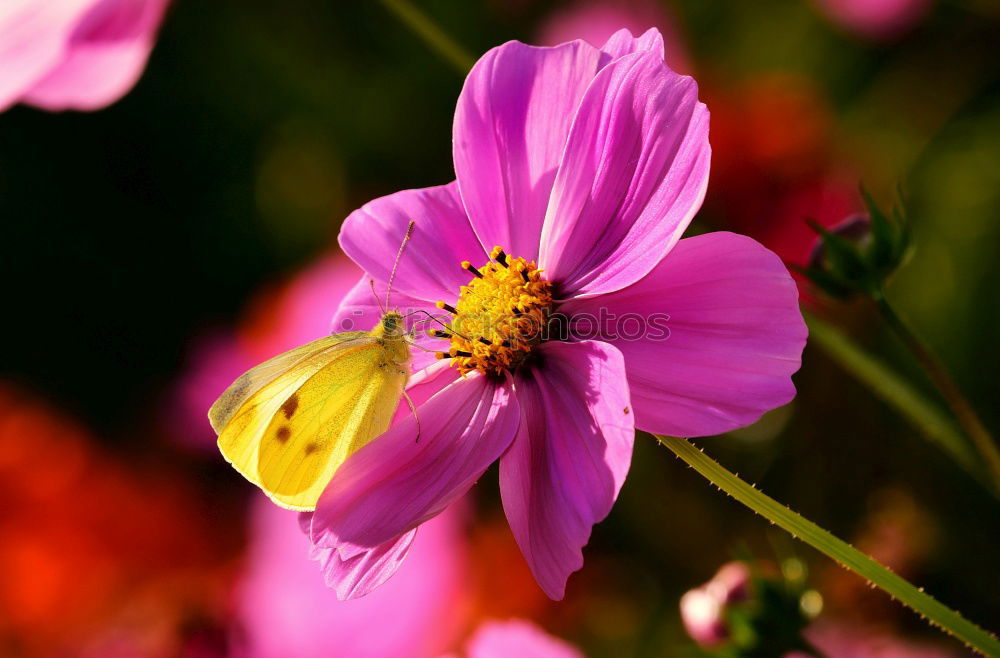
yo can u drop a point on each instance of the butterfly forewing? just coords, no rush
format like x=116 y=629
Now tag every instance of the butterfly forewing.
x=260 y=376
x=291 y=435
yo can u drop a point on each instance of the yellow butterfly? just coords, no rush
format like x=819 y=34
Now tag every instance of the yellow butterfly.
x=289 y=423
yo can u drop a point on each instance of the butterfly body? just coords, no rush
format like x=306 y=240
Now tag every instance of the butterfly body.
x=287 y=424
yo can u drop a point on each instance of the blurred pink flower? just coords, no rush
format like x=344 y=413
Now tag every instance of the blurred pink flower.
x=703 y=609
x=840 y=639
x=515 y=637
x=212 y=362
x=875 y=19
x=286 y=610
x=595 y=21
x=74 y=54
x=704 y=617
x=592 y=162
x=299 y=311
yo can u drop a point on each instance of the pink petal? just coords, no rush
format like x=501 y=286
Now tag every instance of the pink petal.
x=425 y=384
x=353 y=577
x=361 y=310
x=33 y=38
x=104 y=58
x=397 y=482
x=723 y=336
x=511 y=123
x=515 y=637
x=430 y=267
x=622 y=43
x=563 y=472
x=633 y=175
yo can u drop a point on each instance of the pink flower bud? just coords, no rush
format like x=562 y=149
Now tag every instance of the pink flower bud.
x=703 y=616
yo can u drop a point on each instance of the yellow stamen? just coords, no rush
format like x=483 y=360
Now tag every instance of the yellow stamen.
x=500 y=316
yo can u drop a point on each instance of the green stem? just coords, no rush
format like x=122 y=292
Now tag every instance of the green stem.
x=433 y=35
x=938 y=374
x=895 y=391
x=916 y=599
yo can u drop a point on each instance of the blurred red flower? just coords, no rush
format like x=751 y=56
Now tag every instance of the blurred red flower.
x=774 y=164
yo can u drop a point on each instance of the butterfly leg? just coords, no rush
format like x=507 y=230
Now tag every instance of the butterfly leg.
x=413 y=408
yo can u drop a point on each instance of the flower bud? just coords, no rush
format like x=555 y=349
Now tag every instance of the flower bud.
x=858 y=254
x=703 y=616
x=703 y=609
x=745 y=608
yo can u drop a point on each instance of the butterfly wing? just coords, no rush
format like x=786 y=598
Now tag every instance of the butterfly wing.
x=260 y=376
x=292 y=434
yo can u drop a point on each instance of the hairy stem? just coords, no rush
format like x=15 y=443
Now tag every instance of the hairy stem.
x=849 y=557
x=963 y=411
x=926 y=416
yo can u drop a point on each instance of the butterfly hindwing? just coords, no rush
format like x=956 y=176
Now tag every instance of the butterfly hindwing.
x=342 y=407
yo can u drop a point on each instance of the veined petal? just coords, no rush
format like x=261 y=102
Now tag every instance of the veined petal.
x=511 y=124
x=563 y=472
x=633 y=175
x=361 y=572
x=723 y=334
x=430 y=267
x=104 y=58
x=400 y=479
x=361 y=310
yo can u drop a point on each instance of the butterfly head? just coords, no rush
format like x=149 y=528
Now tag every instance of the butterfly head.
x=392 y=325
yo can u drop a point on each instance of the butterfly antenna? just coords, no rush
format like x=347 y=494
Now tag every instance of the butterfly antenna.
x=434 y=319
x=402 y=245
x=378 y=300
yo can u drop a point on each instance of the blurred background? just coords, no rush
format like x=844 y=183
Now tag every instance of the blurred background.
x=155 y=249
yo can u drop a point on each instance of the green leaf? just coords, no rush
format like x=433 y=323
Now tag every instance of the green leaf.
x=844 y=257
x=881 y=255
x=851 y=558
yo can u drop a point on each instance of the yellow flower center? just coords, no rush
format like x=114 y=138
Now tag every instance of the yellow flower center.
x=500 y=316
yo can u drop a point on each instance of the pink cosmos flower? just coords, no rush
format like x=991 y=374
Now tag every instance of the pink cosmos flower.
x=516 y=637
x=74 y=54
x=586 y=165
x=875 y=19
x=286 y=610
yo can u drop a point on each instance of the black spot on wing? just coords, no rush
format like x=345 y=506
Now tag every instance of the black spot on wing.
x=283 y=433
x=290 y=405
x=311 y=448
